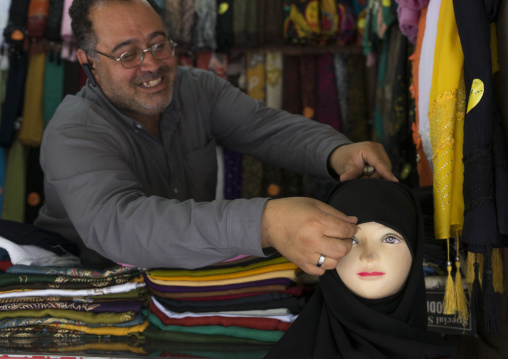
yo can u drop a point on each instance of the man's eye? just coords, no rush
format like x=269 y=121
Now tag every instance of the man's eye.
x=129 y=55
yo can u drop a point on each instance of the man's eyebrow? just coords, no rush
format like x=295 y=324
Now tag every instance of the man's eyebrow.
x=133 y=41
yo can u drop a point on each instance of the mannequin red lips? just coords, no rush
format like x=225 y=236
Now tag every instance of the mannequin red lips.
x=370 y=274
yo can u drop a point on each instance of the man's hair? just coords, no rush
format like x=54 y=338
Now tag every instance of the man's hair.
x=82 y=26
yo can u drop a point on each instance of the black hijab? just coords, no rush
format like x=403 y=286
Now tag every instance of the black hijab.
x=338 y=324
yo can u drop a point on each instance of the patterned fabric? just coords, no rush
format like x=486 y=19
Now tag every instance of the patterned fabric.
x=205 y=23
x=173 y=18
x=188 y=19
x=301 y=21
x=446 y=122
x=350 y=28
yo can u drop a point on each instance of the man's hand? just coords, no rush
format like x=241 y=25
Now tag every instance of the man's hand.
x=349 y=160
x=302 y=229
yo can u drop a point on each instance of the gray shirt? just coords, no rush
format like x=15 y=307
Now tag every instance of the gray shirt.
x=113 y=187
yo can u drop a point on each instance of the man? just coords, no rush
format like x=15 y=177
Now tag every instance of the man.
x=130 y=163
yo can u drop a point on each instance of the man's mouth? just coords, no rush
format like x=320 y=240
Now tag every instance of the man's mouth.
x=153 y=83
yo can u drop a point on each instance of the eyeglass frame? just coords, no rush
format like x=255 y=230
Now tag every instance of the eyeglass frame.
x=150 y=49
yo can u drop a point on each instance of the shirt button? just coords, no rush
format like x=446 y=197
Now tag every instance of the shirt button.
x=176 y=190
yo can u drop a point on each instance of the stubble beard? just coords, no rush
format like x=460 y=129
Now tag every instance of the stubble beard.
x=138 y=103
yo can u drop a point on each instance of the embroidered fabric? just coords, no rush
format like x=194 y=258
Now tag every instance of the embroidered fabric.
x=479 y=185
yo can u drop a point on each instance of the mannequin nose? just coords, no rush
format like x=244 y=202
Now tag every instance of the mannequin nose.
x=368 y=254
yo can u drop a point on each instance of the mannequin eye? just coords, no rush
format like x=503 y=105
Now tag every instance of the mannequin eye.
x=391 y=240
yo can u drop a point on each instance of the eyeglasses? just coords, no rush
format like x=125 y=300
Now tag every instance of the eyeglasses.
x=130 y=59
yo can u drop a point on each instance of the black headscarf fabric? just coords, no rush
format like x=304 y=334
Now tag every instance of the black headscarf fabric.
x=338 y=324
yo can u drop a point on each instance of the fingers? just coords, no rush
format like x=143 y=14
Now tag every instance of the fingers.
x=349 y=161
x=339 y=248
x=302 y=229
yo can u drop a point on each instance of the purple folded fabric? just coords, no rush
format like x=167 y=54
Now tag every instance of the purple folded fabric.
x=184 y=289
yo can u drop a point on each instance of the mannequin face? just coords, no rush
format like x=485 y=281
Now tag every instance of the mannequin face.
x=378 y=264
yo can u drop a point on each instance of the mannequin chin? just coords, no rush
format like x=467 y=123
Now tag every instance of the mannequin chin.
x=378 y=264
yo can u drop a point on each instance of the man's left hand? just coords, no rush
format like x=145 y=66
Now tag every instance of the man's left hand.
x=349 y=161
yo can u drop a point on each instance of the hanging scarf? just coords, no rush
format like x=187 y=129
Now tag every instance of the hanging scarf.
x=309 y=80
x=338 y=324
x=32 y=126
x=422 y=165
x=446 y=121
x=425 y=69
x=38 y=12
x=205 y=23
x=270 y=22
x=15 y=30
x=485 y=153
x=327 y=110
x=224 y=29
x=16 y=79
x=54 y=21
x=173 y=17
x=188 y=14
x=301 y=21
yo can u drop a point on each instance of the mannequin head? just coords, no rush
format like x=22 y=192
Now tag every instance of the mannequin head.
x=378 y=264
x=385 y=244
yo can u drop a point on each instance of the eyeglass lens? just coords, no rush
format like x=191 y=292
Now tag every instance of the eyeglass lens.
x=160 y=51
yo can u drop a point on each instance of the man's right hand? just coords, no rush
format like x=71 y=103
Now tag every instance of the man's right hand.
x=302 y=229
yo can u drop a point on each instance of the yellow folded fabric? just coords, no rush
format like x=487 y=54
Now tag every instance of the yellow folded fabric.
x=266 y=269
x=289 y=274
x=214 y=271
x=118 y=331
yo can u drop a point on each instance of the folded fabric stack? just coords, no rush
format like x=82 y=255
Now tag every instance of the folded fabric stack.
x=251 y=301
x=48 y=303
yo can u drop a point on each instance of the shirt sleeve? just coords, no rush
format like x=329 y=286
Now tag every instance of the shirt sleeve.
x=276 y=137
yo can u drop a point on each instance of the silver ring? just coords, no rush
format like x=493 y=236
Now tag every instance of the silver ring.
x=368 y=170
x=321 y=260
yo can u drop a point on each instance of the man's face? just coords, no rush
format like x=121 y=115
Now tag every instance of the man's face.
x=144 y=91
x=378 y=264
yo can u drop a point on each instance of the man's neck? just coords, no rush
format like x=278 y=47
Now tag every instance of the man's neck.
x=151 y=123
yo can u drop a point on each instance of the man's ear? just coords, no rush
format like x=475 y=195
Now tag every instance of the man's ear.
x=86 y=66
x=82 y=56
